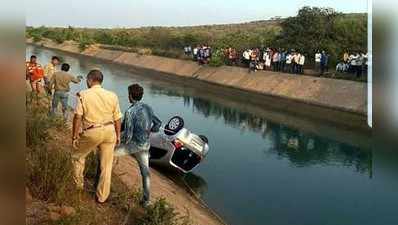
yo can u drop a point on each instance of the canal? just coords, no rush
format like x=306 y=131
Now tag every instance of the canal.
x=265 y=167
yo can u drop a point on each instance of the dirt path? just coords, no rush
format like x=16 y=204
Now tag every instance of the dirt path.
x=127 y=170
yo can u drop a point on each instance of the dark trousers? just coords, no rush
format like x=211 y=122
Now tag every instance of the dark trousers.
x=288 y=68
x=300 y=69
x=317 y=67
x=323 y=68
x=358 y=71
x=275 y=66
x=283 y=66
x=294 y=67
x=60 y=97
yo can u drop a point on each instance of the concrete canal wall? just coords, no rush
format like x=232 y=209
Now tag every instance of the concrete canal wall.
x=339 y=95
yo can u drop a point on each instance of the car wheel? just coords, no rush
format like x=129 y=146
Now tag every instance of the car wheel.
x=174 y=125
x=204 y=138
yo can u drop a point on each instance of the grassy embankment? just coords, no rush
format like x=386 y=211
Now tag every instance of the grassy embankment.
x=53 y=199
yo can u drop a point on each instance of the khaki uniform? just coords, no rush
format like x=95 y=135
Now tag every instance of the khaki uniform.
x=49 y=70
x=60 y=81
x=99 y=108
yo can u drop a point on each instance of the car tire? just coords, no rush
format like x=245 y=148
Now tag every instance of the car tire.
x=174 y=125
x=204 y=138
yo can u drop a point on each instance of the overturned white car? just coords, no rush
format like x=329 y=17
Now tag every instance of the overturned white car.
x=177 y=147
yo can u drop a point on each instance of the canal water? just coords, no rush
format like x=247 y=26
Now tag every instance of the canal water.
x=265 y=167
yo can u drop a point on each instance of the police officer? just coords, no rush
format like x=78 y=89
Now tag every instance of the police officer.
x=97 y=115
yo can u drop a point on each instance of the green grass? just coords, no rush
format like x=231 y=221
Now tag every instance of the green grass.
x=161 y=213
x=49 y=170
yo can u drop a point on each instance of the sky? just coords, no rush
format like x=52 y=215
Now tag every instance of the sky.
x=138 y=13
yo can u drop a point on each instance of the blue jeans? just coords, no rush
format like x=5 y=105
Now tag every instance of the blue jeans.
x=142 y=157
x=60 y=96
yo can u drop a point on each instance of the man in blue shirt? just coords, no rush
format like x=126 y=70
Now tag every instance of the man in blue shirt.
x=324 y=62
x=282 y=61
x=138 y=122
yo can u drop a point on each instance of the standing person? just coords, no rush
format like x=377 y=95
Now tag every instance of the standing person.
x=359 y=65
x=233 y=56
x=275 y=61
x=49 y=70
x=346 y=57
x=296 y=59
x=267 y=59
x=201 y=55
x=323 y=63
x=282 y=61
x=189 y=49
x=98 y=114
x=208 y=53
x=195 y=53
x=301 y=63
x=185 y=50
x=253 y=61
x=289 y=58
x=318 y=56
x=327 y=61
x=246 y=57
x=365 y=63
x=293 y=64
x=35 y=74
x=271 y=53
x=355 y=63
x=60 y=83
x=139 y=121
x=228 y=56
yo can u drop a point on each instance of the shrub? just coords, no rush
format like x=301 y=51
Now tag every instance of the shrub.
x=171 y=53
x=161 y=213
x=217 y=58
x=145 y=51
x=50 y=175
x=84 y=41
x=38 y=124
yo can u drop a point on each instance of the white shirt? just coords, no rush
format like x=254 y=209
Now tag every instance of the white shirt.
x=267 y=59
x=246 y=55
x=353 y=59
x=365 y=58
x=296 y=58
x=288 y=59
x=301 y=60
x=265 y=55
x=318 y=57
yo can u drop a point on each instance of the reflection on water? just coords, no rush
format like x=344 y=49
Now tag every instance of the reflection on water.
x=306 y=150
x=302 y=149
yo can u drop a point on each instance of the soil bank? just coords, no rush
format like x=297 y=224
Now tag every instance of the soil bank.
x=334 y=100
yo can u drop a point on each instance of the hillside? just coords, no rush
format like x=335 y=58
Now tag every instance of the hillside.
x=310 y=30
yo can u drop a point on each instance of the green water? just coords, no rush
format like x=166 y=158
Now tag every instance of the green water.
x=266 y=167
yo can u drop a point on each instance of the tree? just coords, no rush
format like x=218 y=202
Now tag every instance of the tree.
x=309 y=31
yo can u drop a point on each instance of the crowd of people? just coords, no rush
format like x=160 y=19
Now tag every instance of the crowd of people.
x=278 y=60
x=48 y=81
x=202 y=54
x=353 y=63
x=97 y=122
x=281 y=60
